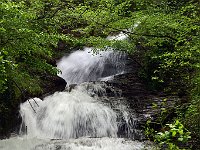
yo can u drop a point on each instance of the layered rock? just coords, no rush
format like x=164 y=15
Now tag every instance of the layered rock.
x=145 y=104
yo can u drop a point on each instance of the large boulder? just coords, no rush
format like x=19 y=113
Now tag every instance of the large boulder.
x=52 y=84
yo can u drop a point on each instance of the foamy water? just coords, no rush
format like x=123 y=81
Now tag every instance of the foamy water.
x=72 y=144
x=84 y=65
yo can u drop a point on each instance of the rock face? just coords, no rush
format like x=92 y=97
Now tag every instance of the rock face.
x=10 y=119
x=142 y=102
x=51 y=84
x=139 y=97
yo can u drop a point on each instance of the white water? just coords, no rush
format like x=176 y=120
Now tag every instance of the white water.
x=84 y=65
x=120 y=36
x=65 y=115
x=71 y=121
x=72 y=144
x=80 y=119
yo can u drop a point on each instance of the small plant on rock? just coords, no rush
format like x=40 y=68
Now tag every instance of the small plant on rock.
x=174 y=135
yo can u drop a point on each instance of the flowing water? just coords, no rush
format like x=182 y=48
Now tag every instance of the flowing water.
x=83 y=118
x=83 y=65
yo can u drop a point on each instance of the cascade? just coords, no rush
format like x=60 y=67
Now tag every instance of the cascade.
x=83 y=65
x=65 y=115
x=83 y=118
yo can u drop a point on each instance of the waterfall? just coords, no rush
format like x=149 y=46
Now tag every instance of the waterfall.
x=84 y=65
x=65 y=115
x=83 y=118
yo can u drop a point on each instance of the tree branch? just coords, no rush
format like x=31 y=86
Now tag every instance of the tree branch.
x=22 y=92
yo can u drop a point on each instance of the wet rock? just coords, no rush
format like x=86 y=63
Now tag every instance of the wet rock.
x=51 y=84
x=141 y=102
x=70 y=87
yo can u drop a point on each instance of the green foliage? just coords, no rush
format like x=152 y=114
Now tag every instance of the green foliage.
x=192 y=117
x=174 y=134
x=25 y=46
x=162 y=111
x=172 y=47
x=168 y=136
